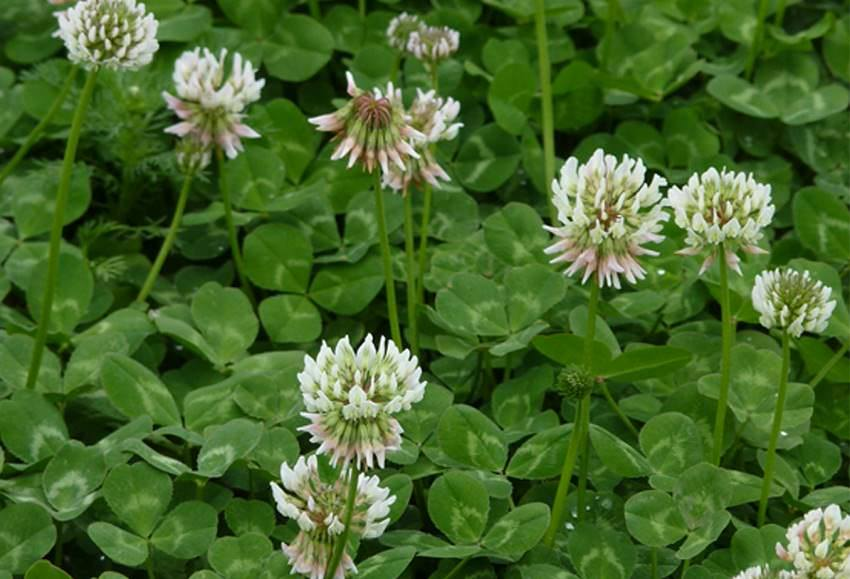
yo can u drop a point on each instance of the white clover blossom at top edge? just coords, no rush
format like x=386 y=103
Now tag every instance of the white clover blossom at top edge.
x=372 y=128
x=211 y=104
x=116 y=34
x=434 y=117
x=606 y=213
x=318 y=508
x=722 y=207
x=400 y=28
x=819 y=545
x=792 y=301
x=432 y=44
x=351 y=397
x=765 y=572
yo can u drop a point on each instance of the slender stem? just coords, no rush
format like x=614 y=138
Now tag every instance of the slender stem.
x=315 y=11
x=38 y=130
x=435 y=77
x=581 y=426
x=545 y=98
x=231 y=228
x=728 y=337
x=582 y=475
x=457 y=569
x=780 y=13
x=361 y=8
x=770 y=459
x=654 y=563
x=685 y=567
x=410 y=266
x=423 y=239
x=758 y=36
x=149 y=565
x=389 y=282
x=342 y=540
x=616 y=408
x=828 y=366
x=169 y=239
x=396 y=67
x=56 y=229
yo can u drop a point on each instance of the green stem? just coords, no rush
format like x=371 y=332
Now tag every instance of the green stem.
x=409 y=250
x=828 y=366
x=170 y=236
x=342 y=540
x=581 y=426
x=728 y=337
x=780 y=13
x=56 y=228
x=231 y=229
x=315 y=11
x=616 y=408
x=582 y=476
x=423 y=240
x=435 y=77
x=149 y=565
x=654 y=563
x=457 y=569
x=770 y=459
x=545 y=99
x=39 y=129
x=685 y=566
x=361 y=8
x=389 y=282
x=758 y=36
x=615 y=12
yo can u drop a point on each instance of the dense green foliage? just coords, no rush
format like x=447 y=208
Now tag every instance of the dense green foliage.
x=153 y=431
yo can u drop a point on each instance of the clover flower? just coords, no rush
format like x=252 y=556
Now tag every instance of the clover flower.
x=792 y=301
x=721 y=208
x=210 y=107
x=819 y=545
x=351 y=396
x=607 y=212
x=400 y=28
x=764 y=572
x=116 y=34
x=372 y=128
x=434 y=117
x=431 y=44
x=192 y=155
x=319 y=509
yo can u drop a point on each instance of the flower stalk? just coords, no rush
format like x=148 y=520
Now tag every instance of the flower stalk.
x=728 y=338
x=410 y=266
x=232 y=238
x=57 y=226
x=770 y=459
x=342 y=540
x=386 y=257
x=424 y=226
x=545 y=97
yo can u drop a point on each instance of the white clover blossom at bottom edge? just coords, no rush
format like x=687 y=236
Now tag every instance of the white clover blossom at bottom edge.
x=818 y=546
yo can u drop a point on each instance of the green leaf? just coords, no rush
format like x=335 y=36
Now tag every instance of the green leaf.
x=823 y=223
x=73 y=473
x=738 y=94
x=287 y=131
x=386 y=564
x=458 y=504
x=45 y=570
x=646 y=362
x=487 y=159
x=187 y=531
x=702 y=491
x=186 y=25
x=239 y=557
x=257 y=16
x=226 y=444
x=244 y=516
x=599 y=553
x=30 y=427
x=71 y=297
x=515 y=235
x=653 y=518
x=346 y=289
x=473 y=304
x=87 y=358
x=518 y=531
x=255 y=178
x=226 y=319
x=541 y=456
x=689 y=140
x=278 y=257
x=615 y=454
x=34 y=201
x=704 y=535
x=751 y=546
x=510 y=95
x=276 y=445
x=568 y=349
x=136 y=391
x=672 y=443
x=532 y=291
x=122 y=547
x=835 y=51
x=298 y=49
x=138 y=494
x=15 y=355
x=290 y=319
x=469 y=437
x=28 y=534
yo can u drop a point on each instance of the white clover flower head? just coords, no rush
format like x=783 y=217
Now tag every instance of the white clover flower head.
x=765 y=572
x=210 y=106
x=399 y=29
x=319 y=509
x=607 y=211
x=116 y=34
x=819 y=545
x=721 y=208
x=432 y=44
x=434 y=117
x=351 y=397
x=792 y=301
x=372 y=128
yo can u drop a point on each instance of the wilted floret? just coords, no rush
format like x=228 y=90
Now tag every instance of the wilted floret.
x=371 y=128
x=792 y=301
x=351 y=398
x=819 y=545
x=116 y=34
x=211 y=108
x=607 y=212
x=721 y=208
x=319 y=509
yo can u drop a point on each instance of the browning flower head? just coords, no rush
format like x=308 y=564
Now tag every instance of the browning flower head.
x=211 y=108
x=792 y=301
x=607 y=212
x=819 y=545
x=319 y=509
x=116 y=34
x=721 y=208
x=372 y=128
x=351 y=398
